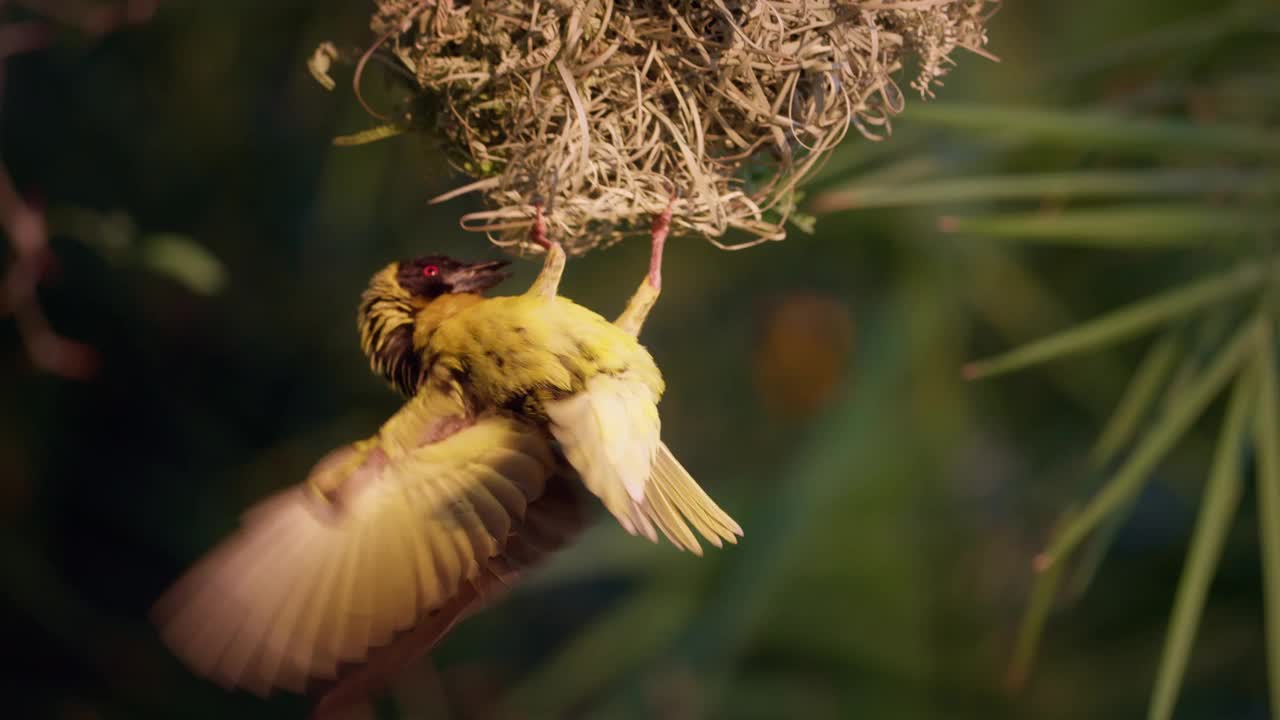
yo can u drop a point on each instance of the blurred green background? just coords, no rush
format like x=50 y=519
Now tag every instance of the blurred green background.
x=212 y=245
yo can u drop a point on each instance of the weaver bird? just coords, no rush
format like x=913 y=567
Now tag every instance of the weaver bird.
x=514 y=405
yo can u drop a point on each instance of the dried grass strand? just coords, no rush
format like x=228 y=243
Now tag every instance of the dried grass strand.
x=733 y=103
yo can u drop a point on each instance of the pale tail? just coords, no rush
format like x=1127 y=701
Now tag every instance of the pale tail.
x=610 y=434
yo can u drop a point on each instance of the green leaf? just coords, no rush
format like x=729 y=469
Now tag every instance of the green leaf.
x=1162 y=436
x=805 y=222
x=1209 y=335
x=1043 y=592
x=372 y=135
x=1095 y=131
x=1088 y=184
x=1218 y=508
x=1136 y=227
x=1267 y=442
x=183 y=259
x=998 y=272
x=1137 y=399
x=112 y=234
x=1185 y=37
x=1124 y=323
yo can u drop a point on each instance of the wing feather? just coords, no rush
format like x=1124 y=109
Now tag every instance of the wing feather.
x=473 y=536
x=364 y=572
x=257 y=612
x=514 y=503
x=550 y=521
x=425 y=571
x=189 y=624
x=305 y=651
x=380 y=536
x=335 y=617
x=493 y=516
x=274 y=648
x=398 y=584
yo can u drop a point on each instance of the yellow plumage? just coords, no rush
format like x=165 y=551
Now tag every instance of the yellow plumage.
x=514 y=404
x=510 y=347
x=592 y=382
x=384 y=534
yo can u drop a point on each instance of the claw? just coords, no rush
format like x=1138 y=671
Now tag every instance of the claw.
x=538 y=232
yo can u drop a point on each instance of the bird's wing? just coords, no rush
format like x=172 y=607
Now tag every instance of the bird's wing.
x=551 y=521
x=610 y=434
x=368 y=547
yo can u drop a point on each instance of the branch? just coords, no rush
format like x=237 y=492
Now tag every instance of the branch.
x=25 y=226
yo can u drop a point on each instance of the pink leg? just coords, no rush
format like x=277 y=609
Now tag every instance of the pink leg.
x=548 y=281
x=661 y=228
x=633 y=317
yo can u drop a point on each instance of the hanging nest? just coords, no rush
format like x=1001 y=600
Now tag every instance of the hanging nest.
x=601 y=110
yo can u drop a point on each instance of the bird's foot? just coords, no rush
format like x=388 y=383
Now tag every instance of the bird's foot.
x=658 y=235
x=632 y=318
x=538 y=231
x=548 y=281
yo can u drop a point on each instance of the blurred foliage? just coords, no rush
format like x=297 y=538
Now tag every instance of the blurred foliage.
x=115 y=236
x=1108 y=191
x=1213 y=178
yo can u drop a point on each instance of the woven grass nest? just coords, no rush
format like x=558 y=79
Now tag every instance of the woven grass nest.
x=601 y=110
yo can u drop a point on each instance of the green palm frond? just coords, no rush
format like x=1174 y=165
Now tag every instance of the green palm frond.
x=1173 y=191
x=1267 y=441
x=1221 y=498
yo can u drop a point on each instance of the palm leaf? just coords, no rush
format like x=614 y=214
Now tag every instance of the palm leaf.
x=1139 y=227
x=1093 y=130
x=1221 y=498
x=1160 y=438
x=1124 y=323
x=1267 y=440
x=874 y=192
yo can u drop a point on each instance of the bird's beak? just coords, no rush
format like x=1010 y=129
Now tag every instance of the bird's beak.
x=479 y=276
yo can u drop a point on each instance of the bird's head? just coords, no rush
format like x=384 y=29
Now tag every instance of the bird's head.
x=416 y=294
x=430 y=277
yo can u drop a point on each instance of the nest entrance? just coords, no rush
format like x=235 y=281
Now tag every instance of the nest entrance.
x=599 y=109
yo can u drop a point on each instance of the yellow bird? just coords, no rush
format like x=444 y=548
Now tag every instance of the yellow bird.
x=515 y=404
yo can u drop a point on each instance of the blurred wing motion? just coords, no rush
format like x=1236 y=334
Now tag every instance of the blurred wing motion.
x=610 y=434
x=550 y=523
x=371 y=561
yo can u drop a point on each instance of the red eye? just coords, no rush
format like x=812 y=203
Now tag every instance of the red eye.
x=431 y=271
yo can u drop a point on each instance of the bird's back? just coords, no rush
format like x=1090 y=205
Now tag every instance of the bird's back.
x=518 y=348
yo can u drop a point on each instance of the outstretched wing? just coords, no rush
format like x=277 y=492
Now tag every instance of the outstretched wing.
x=610 y=434
x=379 y=537
x=551 y=521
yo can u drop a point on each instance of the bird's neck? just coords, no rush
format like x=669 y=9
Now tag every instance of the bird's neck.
x=431 y=315
x=395 y=329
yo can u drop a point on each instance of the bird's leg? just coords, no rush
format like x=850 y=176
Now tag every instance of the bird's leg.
x=548 y=281
x=632 y=319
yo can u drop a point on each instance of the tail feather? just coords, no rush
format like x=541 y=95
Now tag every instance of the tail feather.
x=682 y=491
x=610 y=434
